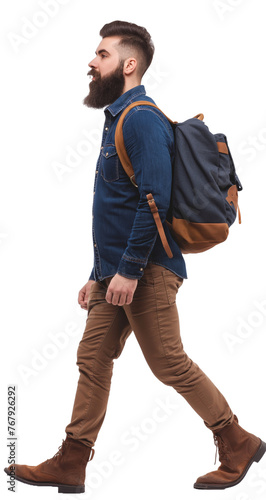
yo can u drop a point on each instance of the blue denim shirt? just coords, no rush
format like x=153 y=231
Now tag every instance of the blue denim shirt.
x=125 y=236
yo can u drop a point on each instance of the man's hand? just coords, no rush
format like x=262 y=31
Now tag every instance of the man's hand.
x=120 y=290
x=84 y=294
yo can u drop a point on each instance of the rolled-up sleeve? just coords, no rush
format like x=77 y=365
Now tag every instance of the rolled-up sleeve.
x=149 y=144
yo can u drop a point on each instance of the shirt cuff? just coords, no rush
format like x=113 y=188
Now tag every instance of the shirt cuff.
x=131 y=269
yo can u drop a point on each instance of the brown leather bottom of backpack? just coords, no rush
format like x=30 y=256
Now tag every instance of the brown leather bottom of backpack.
x=195 y=237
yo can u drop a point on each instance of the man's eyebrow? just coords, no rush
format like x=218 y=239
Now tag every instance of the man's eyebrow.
x=101 y=51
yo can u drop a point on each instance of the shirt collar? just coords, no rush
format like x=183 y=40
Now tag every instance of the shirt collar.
x=125 y=99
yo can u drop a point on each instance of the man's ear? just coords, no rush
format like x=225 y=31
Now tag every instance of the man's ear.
x=130 y=65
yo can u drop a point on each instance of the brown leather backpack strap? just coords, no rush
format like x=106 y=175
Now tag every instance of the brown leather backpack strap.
x=200 y=116
x=158 y=222
x=126 y=163
x=120 y=145
x=119 y=138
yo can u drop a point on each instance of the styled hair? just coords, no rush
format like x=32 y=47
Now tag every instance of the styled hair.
x=132 y=36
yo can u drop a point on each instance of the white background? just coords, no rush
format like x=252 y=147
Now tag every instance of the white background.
x=210 y=58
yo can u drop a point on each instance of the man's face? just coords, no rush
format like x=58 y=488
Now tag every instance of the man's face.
x=107 y=73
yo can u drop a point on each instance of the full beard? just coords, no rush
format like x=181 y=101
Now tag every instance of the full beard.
x=105 y=90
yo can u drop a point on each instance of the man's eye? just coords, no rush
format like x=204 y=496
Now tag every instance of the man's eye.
x=104 y=55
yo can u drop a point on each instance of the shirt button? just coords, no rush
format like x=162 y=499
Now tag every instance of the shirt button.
x=107 y=154
x=102 y=147
x=106 y=128
x=141 y=269
x=95 y=245
x=96 y=171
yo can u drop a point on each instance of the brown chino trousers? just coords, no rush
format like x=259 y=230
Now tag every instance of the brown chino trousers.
x=153 y=317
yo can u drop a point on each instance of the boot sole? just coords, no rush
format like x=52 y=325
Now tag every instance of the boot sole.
x=62 y=488
x=256 y=458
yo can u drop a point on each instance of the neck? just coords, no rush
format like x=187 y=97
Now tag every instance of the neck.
x=131 y=84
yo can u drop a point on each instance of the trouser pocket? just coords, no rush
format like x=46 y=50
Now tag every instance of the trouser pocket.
x=167 y=284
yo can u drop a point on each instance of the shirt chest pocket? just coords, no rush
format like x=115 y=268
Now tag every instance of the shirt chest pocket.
x=109 y=163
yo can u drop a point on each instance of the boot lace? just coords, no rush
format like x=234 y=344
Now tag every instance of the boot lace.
x=61 y=449
x=59 y=452
x=221 y=447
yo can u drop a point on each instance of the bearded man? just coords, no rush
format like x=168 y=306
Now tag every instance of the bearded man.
x=133 y=282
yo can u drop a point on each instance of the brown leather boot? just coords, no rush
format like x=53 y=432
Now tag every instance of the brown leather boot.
x=66 y=469
x=238 y=449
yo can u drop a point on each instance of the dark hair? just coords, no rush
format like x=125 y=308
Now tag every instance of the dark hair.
x=134 y=36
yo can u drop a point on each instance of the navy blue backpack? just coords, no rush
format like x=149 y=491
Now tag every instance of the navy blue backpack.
x=204 y=200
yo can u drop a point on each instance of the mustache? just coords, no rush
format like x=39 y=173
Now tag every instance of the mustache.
x=92 y=72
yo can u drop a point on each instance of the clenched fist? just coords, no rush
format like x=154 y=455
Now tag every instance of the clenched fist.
x=84 y=294
x=120 y=290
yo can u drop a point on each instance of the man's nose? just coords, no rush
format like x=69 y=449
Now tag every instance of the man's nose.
x=93 y=63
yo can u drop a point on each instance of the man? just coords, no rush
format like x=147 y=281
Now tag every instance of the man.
x=133 y=283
